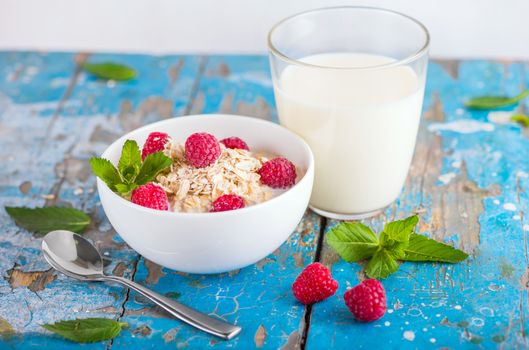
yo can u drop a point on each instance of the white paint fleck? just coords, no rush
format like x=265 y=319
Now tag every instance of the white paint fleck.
x=111 y=83
x=500 y=117
x=464 y=215
x=437 y=315
x=522 y=174
x=446 y=178
x=406 y=323
x=526 y=227
x=516 y=217
x=59 y=82
x=457 y=164
x=463 y=126
x=476 y=321
x=432 y=340
x=409 y=335
x=414 y=311
x=496 y=201
x=486 y=311
x=460 y=111
x=78 y=191
x=425 y=329
x=387 y=323
x=457 y=307
x=509 y=207
x=390 y=311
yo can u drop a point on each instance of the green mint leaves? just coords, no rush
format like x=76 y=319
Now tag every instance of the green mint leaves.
x=131 y=171
x=521 y=119
x=354 y=241
x=87 y=330
x=422 y=248
x=110 y=71
x=493 y=102
x=44 y=220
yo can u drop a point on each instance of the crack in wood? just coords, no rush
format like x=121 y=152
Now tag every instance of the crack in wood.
x=193 y=105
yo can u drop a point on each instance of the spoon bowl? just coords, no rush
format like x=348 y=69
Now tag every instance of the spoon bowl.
x=76 y=257
x=72 y=255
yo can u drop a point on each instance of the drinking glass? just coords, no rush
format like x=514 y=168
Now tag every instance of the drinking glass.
x=350 y=81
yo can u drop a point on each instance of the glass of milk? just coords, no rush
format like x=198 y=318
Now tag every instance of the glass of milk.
x=350 y=81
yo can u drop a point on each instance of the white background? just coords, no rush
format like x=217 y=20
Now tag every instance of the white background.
x=459 y=28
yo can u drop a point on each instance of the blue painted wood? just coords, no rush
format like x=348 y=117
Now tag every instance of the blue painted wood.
x=468 y=183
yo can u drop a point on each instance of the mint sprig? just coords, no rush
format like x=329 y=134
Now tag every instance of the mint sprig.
x=46 y=219
x=87 y=330
x=354 y=241
x=110 y=71
x=131 y=172
x=521 y=119
x=493 y=102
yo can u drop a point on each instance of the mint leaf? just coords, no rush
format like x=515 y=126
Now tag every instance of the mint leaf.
x=400 y=230
x=381 y=265
x=110 y=71
x=521 y=119
x=421 y=248
x=130 y=161
x=87 y=330
x=44 y=220
x=153 y=164
x=353 y=241
x=492 y=102
x=106 y=171
x=125 y=189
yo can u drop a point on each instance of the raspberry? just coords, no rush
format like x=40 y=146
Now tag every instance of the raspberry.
x=314 y=284
x=366 y=301
x=202 y=149
x=227 y=202
x=155 y=143
x=278 y=173
x=235 y=142
x=151 y=196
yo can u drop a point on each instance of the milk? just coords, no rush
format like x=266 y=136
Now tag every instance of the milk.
x=361 y=126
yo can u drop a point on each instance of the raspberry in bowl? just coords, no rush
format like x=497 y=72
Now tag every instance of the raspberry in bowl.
x=236 y=188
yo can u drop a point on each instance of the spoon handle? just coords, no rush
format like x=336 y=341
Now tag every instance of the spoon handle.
x=188 y=315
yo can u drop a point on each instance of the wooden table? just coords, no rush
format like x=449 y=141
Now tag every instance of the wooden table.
x=468 y=182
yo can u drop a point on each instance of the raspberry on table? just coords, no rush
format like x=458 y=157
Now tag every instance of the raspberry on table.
x=155 y=143
x=235 y=142
x=314 y=284
x=151 y=196
x=227 y=202
x=278 y=173
x=366 y=301
x=202 y=149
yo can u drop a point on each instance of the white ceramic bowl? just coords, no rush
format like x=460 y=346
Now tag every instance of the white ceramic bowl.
x=213 y=242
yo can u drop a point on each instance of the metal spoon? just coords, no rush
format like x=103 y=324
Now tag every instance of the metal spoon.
x=76 y=257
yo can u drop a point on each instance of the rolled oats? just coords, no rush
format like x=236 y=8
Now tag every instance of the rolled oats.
x=193 y=189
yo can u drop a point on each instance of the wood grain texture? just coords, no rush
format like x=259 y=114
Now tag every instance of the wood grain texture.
x=468 y=183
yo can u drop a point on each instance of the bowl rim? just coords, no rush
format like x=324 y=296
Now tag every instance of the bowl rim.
x=310 y=169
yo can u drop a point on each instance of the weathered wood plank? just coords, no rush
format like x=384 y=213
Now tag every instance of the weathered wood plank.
x=236 y=85
x=468 y=183
x=469 y=188
x=257 y=297
x=48 y=155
